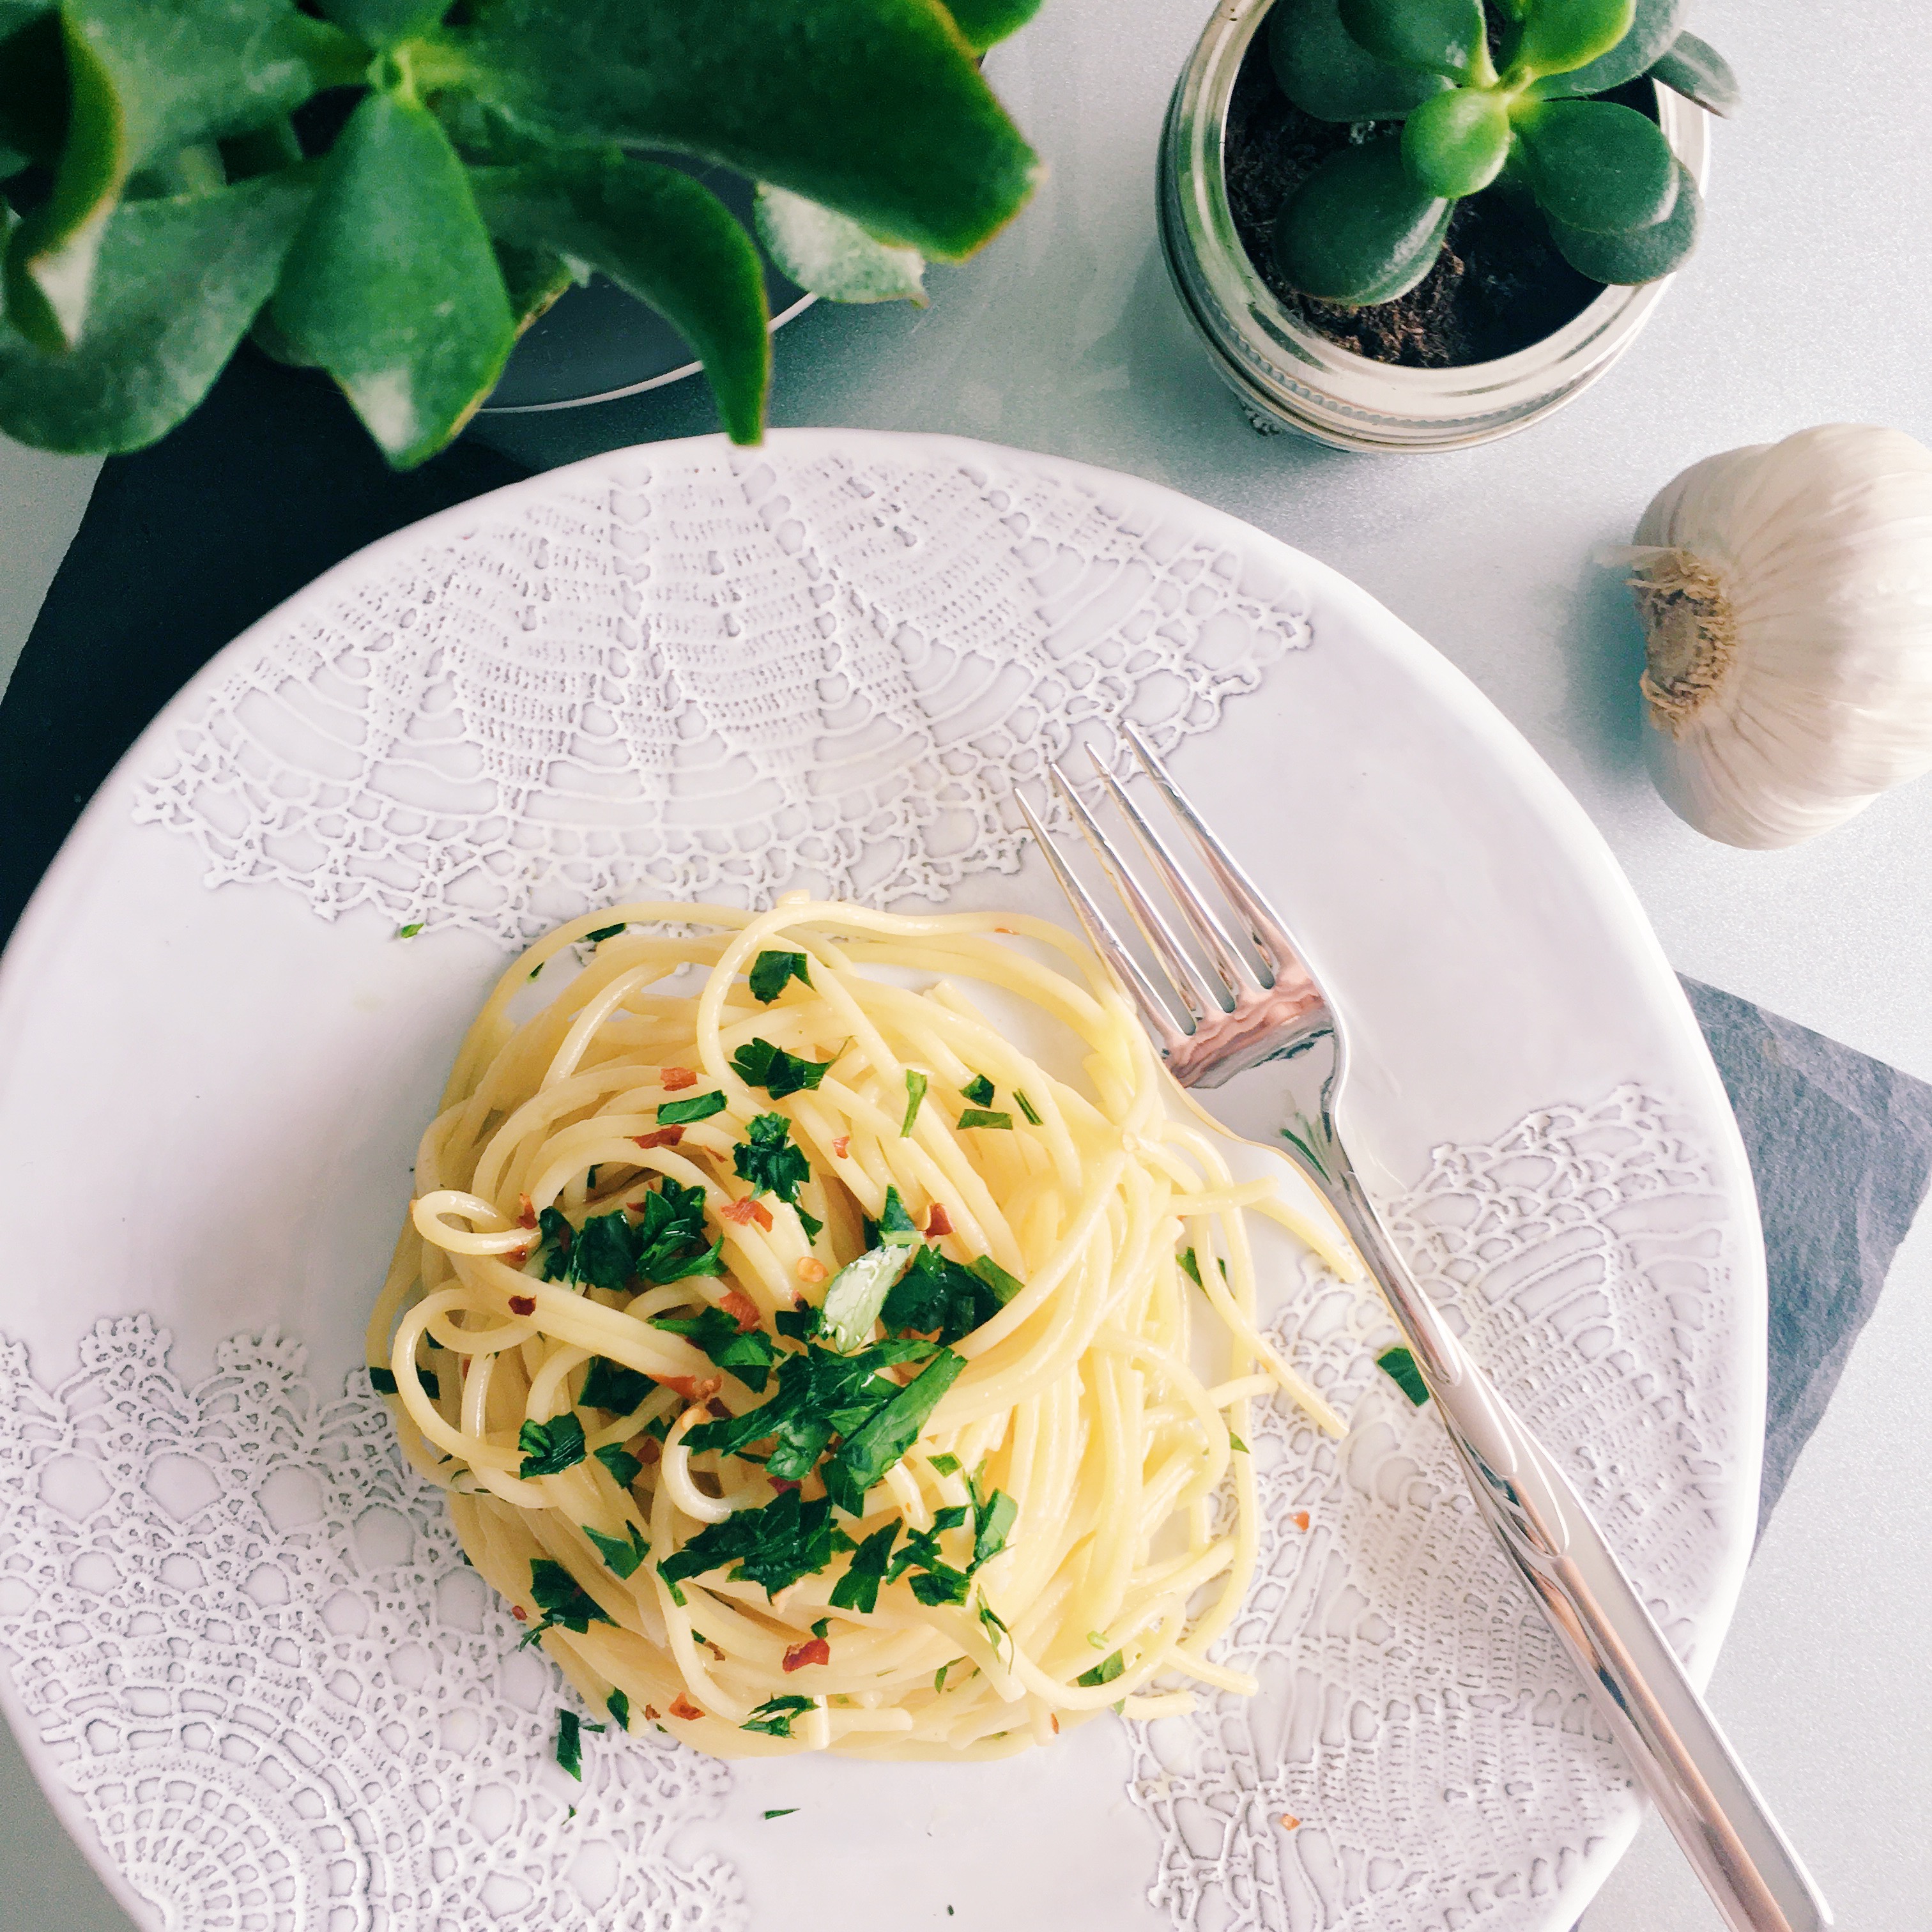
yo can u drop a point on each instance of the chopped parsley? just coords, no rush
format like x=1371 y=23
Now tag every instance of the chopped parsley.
x=938 y=1296
x=770 y=1162
x=857 y=1293
x=668 y=1244
x=824 y=1624
x=749 y=1356
x=604 y=1254
x=624 y=1468
x=557 y=1235
x=946 y=1466
x=381 y=1380
x=1398 y=1365
x=938 y=1582
x=786 y=1811
x=699 y=1107
x=410 y=930
x=1104 y=1672
x=603 y=933
x=759 y=1064
x=772 y=1547
x=670 y=1236
x=1235 y=1442
x=431 y=1386
x=621 y=1556
x=771 y=971
x=887 y=1434
x=774 y=1716
x=570 y=1743
x=895 y=1224
x=916 y=1086
x=1191 y=1267
x=563 y=1599
x=619 y=1705
x=1004 y=1285
x=858 y=1589
x=551 y=1448
x=939 y=1675
x=1026 y=1107
x=993 y=1518
x=610 y=1385
x=979 y=1117
x=979 y=1091
x=993 y=1623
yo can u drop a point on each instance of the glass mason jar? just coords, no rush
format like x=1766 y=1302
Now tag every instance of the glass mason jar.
x=1288 y=375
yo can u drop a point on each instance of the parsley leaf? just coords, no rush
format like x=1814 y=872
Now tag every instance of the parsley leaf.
x=775 y=1546
x=672 y=1227
x=993 y=1518
x=1104 y=1672
x=770 y=971
x=1191 y=1267
x=979 y=1090
x=800 y=1324
x=604 y=1254
x=1235 y=1442
x=946 y=1466
x=768 y=1161
x=603 y=933
x=620 y=1556
x=857 y=1292
x=993 y=1623
x=610 y=1385
x=774 y=1716
x=895 y=1224
x=570 y=1742
x=699 y=1107
x=551 y=1448
x=624 y=1468
x=916 y=1086
x=759 y=1064
x=938 y=1295
x=1004 y=1285
x=978 y=1116
x=1027 y=1107
x=749 y=1357
x=556 y=1234
x=858 y=1589
x=1398 y=1365
x=941 y=1581
x=563 y=1600
x=619 y=1705
x=786 y=1811
x=885 y=1436
x=431 y=1386
x=381 y=1380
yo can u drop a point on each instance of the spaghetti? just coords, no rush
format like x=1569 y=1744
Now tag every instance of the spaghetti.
x=808 y=1365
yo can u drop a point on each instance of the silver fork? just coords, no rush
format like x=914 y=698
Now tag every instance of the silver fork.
x=1677 y=1752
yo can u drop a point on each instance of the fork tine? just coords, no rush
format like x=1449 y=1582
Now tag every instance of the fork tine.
x=1236 y=974
x=1106 y=941
x=1271 y=940
x=1167 y=949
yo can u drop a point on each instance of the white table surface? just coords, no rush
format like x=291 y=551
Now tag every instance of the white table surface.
x=1805 y=305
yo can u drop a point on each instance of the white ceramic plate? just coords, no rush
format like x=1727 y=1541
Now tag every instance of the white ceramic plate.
x=256 y=1681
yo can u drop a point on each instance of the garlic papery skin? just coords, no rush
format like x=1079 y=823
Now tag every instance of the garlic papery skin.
x=1786 y=592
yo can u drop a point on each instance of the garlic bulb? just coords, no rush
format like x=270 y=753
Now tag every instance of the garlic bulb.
x=1786 y=592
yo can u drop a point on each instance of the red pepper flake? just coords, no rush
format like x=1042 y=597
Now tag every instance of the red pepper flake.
x=781 y=1483
x=522 y=1304
x=682 y=1707
x=1299 y=1518
x=660 y=1137
x=937 y=1222
x=651 y=1712
x=674 y=1079
x=516 y=1257
x=649 y=1452
x=694 y=1388
x=801 y=1655
x=522 y=1616
x=718 y=1409
x=842 y=1146
x=748 y=1210
x=1054 y=1721
x=1289 y=1822
x=742 y=1308
x=526 y=1215
x=811 y=1270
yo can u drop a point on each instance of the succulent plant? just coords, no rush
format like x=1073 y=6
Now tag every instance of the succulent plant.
x=1510 y=110
x=391 y=191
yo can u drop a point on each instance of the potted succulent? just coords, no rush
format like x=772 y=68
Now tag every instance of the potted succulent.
x=390 y=190
x=1418 y=224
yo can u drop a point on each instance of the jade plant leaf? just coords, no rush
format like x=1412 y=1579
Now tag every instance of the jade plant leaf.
x=1696 y=70
x=871 y=107
x=392 y=286
x=1358 y=230
x=1653 y=27
x=1457 y=143
x=533 y=279
x=1328 y=73
x=1432 y=36
x=1559 y=36
x=983 y=22
x=662 y=237
x=1642 y=254
x=1595 y=165
x=833 y=256
x=177 y=282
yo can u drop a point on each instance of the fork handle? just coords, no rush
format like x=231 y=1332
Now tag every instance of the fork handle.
x=1674 y=1746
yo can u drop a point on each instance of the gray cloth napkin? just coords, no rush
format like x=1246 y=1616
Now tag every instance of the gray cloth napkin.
x=1840 y=1147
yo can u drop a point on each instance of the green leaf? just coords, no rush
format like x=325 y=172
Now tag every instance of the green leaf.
x=1358 y=229
x=609 y=1385
x=1655 y=27
x=563 y=1600
x=885 y=1436
x=1026 y=1107
x=894 y=1225
x=759 y=1064
x=1643 y=255
x=624 y=1468
x=1696 y=70
x=747 y=1354
x=1104 y=1672
x=1004 y=1285
x=699 y=1107
x=774 y=1716
x=383 y=1380
x=619 y=1705
x=772 y=971
x=871 y=107
x=1328 y=73
x=916 y=1086
x=1457 y=144
x=983 y=22
x=177 y=283
x=1594 y=165
x=768 y=1160
x=978 y=1091
x=621 y=1554
x=1398 y=1365
x=993 y=1519
x=830 y=254
x=534 y=279
x=662 y=237
x=381 y=23
x=144 y=79
x=772 y=1547
x=1560 y=36
x=858 y=1589
x=393 y=286
x=857 y=1293
x=1424 y=36
x=938 y=1296
x=980 y=1117
x=570 y=1743
x=551 y=1448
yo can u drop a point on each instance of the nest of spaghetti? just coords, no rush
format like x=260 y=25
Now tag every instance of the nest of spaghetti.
x=812 y=1367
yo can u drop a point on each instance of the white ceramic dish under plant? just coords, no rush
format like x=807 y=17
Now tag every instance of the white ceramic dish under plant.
x=1288 y=375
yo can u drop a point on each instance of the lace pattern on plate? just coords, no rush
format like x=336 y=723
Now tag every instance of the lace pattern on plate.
x=287 y=1706
x=709 y=677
